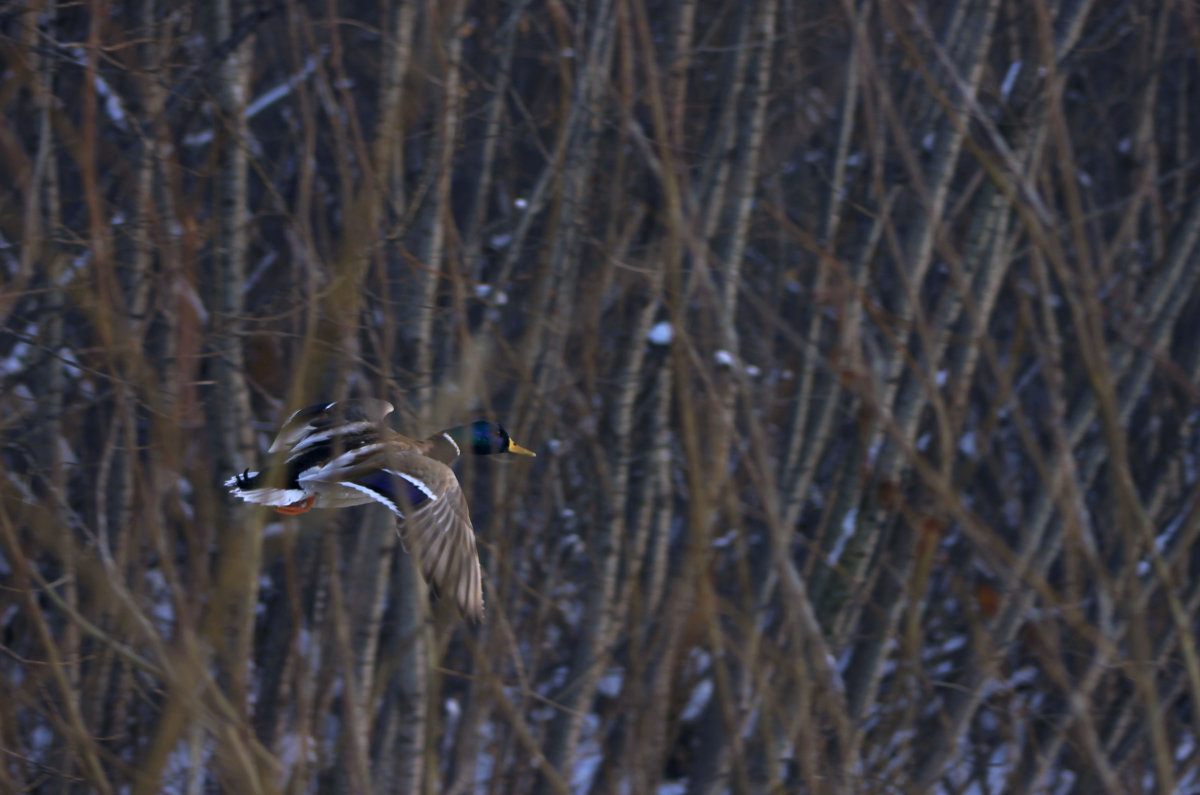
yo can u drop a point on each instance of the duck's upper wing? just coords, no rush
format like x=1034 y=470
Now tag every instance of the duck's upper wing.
x=436 y=525
x=323 y=421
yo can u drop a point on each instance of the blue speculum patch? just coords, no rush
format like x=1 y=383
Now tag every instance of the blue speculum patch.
x=395 y=488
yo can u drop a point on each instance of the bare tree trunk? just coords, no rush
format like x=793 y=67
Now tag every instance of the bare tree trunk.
x=231 y=617
x=42 y=224
x=592 y=649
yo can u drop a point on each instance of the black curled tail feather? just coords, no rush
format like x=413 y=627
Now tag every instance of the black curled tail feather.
x=246 y=481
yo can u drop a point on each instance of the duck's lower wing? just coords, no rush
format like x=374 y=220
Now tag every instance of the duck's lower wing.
x=436 y=524
x=441 y=536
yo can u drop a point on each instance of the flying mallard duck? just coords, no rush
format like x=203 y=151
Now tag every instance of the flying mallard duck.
x=334 y=455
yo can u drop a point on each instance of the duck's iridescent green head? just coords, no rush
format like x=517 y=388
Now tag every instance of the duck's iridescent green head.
x=484 y=437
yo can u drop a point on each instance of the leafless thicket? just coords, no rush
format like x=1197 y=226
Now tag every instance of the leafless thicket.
x=858 y=342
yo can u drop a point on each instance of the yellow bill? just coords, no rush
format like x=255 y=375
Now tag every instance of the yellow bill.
x=513 y=447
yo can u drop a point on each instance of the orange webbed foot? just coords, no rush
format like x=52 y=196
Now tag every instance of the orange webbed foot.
x=297 y=507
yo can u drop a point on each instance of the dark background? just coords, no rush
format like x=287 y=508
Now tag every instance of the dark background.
x=857 y=341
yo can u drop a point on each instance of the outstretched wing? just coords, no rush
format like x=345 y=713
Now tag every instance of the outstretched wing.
x=436 y=524
x=440 y=534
